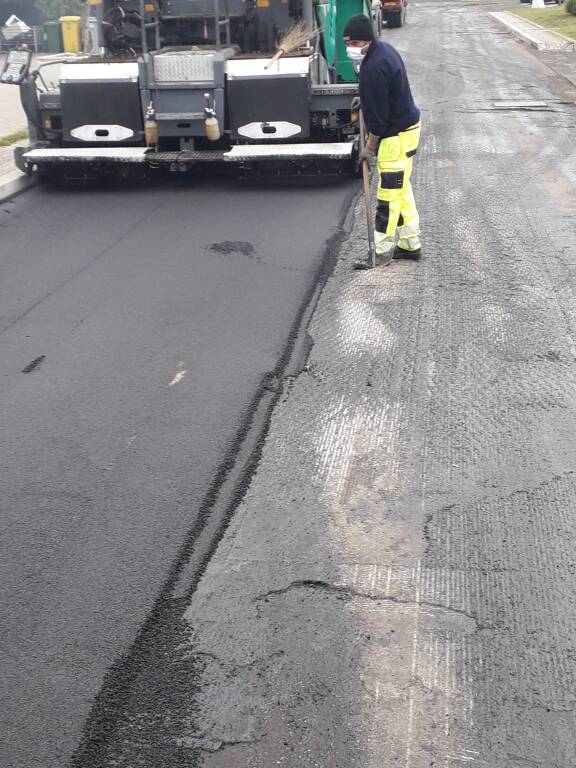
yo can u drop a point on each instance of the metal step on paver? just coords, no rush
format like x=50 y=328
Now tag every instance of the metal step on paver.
x=335 y=151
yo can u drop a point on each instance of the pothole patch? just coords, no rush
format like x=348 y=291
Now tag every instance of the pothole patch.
x=230 y=247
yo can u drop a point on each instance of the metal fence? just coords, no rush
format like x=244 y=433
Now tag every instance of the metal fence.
x=34 y=39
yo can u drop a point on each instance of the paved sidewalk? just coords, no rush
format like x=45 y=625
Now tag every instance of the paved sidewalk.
x=12 y=118
x=537 y=36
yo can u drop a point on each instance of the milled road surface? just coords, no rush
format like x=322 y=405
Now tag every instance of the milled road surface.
x=137 y=329
x=396 y=589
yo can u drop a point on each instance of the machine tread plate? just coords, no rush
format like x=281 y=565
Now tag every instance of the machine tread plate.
x=258 y=152
x=186 y=156
x=180 y=116
x=334 y=151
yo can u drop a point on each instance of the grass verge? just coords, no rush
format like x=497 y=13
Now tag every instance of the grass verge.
x=12 y=138
x=554 y=18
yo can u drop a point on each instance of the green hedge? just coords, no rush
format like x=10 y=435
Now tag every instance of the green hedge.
x=570 y=7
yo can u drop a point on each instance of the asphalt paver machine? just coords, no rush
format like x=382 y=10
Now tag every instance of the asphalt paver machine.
x=180 y=83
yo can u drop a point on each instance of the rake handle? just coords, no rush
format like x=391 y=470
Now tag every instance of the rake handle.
x=279 y=53
x=367 y=198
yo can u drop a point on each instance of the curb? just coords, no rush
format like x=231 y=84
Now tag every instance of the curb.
x=14 y=184
x=556 y=41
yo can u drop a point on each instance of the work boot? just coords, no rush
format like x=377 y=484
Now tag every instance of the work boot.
x=404 y=253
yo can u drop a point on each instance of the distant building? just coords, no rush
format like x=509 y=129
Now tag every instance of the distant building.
x=24 y=9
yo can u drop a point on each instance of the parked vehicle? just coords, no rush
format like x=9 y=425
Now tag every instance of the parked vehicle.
x=394 y=12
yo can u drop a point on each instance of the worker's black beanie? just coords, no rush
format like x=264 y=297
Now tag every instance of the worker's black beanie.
x=359 y=27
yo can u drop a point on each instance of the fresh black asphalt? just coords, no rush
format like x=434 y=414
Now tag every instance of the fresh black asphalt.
x=136 y=328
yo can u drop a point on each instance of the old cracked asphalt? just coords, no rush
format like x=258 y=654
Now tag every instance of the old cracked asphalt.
x=396 y=588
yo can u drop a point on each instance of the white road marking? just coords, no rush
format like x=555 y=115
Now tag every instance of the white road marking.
x=178 y=378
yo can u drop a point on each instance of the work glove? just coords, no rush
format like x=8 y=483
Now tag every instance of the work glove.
x=355 y=105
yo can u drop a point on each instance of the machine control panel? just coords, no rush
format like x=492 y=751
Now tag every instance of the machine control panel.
x=16 y=67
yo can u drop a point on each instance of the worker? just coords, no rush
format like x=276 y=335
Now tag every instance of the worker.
x=393 y=123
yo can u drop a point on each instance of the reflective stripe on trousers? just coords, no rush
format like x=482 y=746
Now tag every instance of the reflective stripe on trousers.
x=396 y=212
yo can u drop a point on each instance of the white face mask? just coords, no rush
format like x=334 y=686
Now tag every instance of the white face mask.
x=355 y=55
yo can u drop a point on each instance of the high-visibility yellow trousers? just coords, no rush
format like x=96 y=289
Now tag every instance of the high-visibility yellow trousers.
x=396 y=214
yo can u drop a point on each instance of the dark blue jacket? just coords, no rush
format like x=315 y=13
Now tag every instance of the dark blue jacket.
x=385 y=94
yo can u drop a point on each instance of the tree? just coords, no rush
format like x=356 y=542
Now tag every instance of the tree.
x=53 y=9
